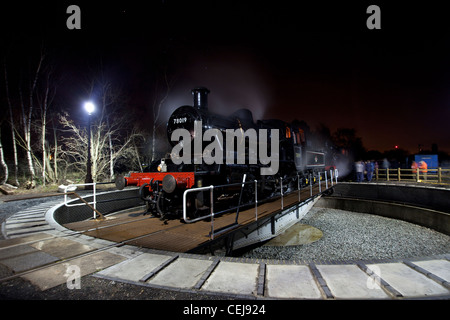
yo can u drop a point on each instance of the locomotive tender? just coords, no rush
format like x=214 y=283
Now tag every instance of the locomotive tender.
x=163 y=183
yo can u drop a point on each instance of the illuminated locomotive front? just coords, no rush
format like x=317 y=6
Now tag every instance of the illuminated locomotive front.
x=163 y=183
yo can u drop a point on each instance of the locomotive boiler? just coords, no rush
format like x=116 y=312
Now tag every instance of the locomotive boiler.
x=196 y=162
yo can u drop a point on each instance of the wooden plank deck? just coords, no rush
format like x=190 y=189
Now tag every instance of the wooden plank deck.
x=175 y=235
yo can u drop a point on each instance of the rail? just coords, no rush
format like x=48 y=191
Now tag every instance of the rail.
x=430 y=175
x=333 y=180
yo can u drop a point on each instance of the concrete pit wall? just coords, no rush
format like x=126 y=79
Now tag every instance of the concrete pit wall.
x=107 y=202
x=428 y=207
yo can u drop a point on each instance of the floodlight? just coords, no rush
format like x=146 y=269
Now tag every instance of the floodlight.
x=89 y=107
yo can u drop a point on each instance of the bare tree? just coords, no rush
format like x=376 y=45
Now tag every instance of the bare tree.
x=3 y=163
x=27 y=121
x=12 y=126
x=56 y=148
x=74 y=144
x=107 y=146
x=113 y=136
x=27 y=112
x=35 y=95
x=44 y=104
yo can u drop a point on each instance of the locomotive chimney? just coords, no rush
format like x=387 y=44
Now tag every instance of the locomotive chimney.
x=200 y=98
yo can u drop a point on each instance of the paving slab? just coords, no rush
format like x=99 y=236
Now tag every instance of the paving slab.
x=182 y=273
x=60 y=273
x=19 y=240
x=441 y=268
x=350 y=282
x=233 y=277
x=27 y=261
x=291 y=281
x=15 y=251
x=62 y=248
x=407 y=281
x=136 y=268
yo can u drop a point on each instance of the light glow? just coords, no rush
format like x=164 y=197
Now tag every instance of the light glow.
x=89 y=107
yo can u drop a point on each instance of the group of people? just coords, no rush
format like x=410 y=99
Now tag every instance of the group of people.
x=365 y=166
x=423 y=168
x=369 y=167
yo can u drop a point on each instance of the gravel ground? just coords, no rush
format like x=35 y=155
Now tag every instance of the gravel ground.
x=358 y=236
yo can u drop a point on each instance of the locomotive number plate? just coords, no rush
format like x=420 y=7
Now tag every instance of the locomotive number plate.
x=179 y=120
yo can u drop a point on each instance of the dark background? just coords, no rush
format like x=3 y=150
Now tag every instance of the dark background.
x=281 y=59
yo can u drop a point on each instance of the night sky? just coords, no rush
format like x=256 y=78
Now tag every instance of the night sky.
x=281 y=59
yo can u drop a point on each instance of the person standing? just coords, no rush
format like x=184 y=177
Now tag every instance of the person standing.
x=414 y=167
x=424 y=169
x=359 y=166
x=369 y=169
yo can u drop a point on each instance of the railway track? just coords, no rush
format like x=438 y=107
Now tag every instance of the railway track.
x=40 y=254
x=28 y=230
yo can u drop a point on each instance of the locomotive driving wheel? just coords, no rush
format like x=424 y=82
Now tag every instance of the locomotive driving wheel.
x=196 y=206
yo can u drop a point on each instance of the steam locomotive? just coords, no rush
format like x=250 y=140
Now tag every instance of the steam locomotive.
x=163 y=183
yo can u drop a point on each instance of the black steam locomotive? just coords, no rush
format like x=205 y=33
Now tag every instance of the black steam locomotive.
x=163 y=183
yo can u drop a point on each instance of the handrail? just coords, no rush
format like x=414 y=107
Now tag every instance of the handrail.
x=211 y=187
x=333 y=174
x=429 y=175
x=92 y=205
x=88 y=204
x=185 y=218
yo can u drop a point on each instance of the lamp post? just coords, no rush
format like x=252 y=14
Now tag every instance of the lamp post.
x=90 y=108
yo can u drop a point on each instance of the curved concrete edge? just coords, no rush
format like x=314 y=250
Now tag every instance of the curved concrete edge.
x=400 y=184
x=28 y=221
x=418 y=195
x=49 y=217
x=107 y=202
x=50 y=214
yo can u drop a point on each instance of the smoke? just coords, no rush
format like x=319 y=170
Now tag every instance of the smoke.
x=236 y=80
x=344 y=164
